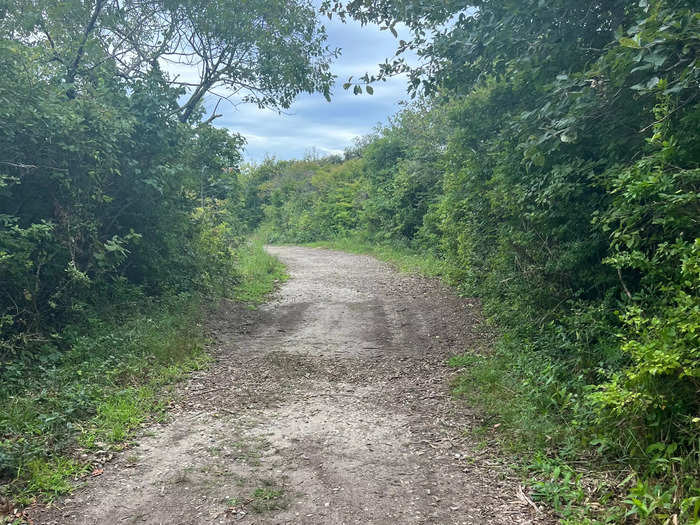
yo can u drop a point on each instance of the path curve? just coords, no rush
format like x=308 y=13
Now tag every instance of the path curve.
x=329 y=405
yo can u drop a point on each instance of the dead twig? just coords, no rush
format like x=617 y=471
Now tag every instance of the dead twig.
x=525 y=499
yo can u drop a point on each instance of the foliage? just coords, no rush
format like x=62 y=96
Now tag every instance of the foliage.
x=107 y=176
x=121 y=207
x=93 y=393
x=549 y=165
x=265 y=51
x=554 y=172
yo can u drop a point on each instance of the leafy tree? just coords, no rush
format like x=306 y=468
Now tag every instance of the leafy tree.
x=109 y=179
x=263 y=52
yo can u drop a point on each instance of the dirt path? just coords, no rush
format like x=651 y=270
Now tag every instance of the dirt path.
x=328 y=405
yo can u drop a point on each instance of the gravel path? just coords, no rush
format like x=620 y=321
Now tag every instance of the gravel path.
x=330 y=404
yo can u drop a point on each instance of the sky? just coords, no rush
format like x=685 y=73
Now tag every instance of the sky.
x=314 y=123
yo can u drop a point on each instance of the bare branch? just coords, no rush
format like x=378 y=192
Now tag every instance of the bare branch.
x=73 y=68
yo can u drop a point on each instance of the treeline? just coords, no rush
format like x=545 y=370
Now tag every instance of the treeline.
x=553 y=164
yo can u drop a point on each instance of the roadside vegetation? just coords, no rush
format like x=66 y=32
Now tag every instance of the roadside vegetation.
x=68 y=409
x=261 y=273
x=120 y=211
x=549 y=165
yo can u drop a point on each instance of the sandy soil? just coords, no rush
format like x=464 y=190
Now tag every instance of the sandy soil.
x=330 y=404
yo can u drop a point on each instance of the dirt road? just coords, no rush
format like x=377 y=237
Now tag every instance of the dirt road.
x=330 y=404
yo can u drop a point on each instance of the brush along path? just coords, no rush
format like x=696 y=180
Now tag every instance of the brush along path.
x=330 y=404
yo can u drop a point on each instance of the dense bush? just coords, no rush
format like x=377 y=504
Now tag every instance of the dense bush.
x=555 y=170
x=119 y=198
x=109 y=175
x=93 y=195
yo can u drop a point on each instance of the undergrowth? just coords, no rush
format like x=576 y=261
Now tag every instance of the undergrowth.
x=261 y=273
x=536 y=408
x=85 y=392
x=89 y=391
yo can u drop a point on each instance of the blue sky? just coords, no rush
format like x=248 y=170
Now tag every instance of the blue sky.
x=312 y=122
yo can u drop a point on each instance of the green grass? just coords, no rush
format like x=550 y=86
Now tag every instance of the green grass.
x=113 y=376
x=268 y=498
x=52 y=477
x=403 y=258
x=527 y=414
x=261 y=273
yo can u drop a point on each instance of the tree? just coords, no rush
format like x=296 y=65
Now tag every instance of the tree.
x=458 y=43
x=261 y=51
x=107 y=171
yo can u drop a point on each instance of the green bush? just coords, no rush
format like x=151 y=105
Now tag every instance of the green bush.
x=554 y=174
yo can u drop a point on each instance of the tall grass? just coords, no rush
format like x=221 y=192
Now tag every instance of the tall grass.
x=260 y=272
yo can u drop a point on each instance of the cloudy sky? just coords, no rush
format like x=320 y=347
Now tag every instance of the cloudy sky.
x=312 y=122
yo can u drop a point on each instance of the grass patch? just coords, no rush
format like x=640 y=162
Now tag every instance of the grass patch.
x=260 y=272
x=268 y=498
x=521 y=399
x=105 y=381
x=402 y=257
x=51 y=477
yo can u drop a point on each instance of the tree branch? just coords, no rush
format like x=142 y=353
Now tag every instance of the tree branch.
x=73 y=68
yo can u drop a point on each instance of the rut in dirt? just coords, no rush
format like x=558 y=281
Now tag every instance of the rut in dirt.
x=330 y=404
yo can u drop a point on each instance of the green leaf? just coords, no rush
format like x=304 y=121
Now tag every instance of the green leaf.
x=628 y=42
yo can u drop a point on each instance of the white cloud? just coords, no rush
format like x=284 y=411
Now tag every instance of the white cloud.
x=312 y=122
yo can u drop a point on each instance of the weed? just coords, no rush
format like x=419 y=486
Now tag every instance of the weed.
x=49 y=478
x=557 y=484
x=260 y=271
x=268 y=497
x=214 y=451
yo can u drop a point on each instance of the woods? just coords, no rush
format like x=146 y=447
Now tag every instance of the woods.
x=549 y=164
